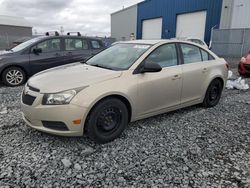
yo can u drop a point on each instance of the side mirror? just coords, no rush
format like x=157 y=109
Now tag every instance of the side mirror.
x=150 y=67
x=37 y=51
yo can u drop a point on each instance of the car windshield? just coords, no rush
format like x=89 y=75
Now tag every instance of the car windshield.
x=25 y=44
x=119 y=56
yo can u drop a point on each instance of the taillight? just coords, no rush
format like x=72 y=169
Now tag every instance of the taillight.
x=227 y=65
x=243 y=60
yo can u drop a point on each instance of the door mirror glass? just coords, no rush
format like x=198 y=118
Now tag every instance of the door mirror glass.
x=150 y=67
x=37 y=51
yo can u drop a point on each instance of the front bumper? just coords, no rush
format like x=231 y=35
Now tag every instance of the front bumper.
x=34 y=115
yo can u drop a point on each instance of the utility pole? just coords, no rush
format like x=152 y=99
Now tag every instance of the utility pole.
x=62 y=30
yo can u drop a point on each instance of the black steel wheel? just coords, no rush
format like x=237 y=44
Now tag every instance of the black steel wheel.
x=213 y=94
x=107 y=120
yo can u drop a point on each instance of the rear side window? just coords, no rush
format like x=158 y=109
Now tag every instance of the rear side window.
x=206 y=56
x=75 y=44
x=52 y=45
x=191 y=54
x=96 y=44
x=165 y=56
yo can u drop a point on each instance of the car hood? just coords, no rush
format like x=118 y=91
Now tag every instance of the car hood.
x=71 y=76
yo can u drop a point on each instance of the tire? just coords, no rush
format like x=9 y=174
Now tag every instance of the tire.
x=107 y=120
x=213 y=94
x=13 y=76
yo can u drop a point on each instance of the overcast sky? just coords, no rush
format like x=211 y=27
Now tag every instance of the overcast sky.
x=91 y=17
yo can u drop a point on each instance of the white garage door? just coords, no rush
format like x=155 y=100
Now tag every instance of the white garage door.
x=191 y=24
x=152 y=29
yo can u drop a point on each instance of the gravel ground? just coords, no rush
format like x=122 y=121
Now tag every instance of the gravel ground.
x=192 y=147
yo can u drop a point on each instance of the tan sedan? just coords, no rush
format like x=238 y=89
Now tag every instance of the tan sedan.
x=127 y=82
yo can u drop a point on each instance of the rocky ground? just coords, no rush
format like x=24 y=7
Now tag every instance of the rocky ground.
x=192 y=147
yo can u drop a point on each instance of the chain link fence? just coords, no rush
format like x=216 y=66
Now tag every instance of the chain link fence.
x=231 y=42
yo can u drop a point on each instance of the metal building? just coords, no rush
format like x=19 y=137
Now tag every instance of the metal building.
x=12 y=29
x=179 y=18
x=235 y=14
x=233 y=37
x=167 y=19
x=124 y=23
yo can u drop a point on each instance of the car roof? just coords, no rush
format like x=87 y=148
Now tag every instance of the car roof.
x=67 y=36
x=151 y=42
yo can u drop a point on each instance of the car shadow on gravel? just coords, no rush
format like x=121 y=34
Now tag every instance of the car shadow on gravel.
x=83 y=142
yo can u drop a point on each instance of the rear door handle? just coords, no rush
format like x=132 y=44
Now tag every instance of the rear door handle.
x=69 y=53
x=176 y=77
x=57 y=55
x=204 y=70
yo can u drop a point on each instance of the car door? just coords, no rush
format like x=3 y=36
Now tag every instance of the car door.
x=50 y=55
x=194 y=72
x=96 y=46
x=161 y=90
x=76 y=49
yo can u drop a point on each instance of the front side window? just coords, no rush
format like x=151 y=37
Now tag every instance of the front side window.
x=52 y=45
x=165 y=56
x=75 y=44
x=119 y=56
x=191 y=54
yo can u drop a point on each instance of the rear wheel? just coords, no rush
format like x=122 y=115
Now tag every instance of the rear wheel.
x=213 y=94
x=107 y=120
x=13 y=76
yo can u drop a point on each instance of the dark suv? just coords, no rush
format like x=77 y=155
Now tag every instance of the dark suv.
x=44 y=52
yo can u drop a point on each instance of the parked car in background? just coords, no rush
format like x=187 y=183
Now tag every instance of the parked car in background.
x=124 y=83
x=44 y=52
x=244 y=65
x=197 y=41
x=194 y=40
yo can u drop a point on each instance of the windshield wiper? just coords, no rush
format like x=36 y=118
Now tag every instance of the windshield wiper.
x=102 y=66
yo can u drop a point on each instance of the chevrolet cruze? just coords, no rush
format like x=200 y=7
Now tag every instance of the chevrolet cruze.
x=126 y=82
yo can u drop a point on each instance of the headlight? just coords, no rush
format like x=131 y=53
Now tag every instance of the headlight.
x=61 y=98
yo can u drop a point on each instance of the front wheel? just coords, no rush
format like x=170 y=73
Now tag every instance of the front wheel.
x=13 y=76
x=107 y=120
x=213 y=94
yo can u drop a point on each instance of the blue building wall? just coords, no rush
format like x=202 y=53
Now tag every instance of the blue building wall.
x=169 y=9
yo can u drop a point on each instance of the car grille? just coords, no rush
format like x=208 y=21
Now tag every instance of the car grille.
x=28 y=99
x=247 y=67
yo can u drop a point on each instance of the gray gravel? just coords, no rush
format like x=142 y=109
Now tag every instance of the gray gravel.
x=192 y=147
